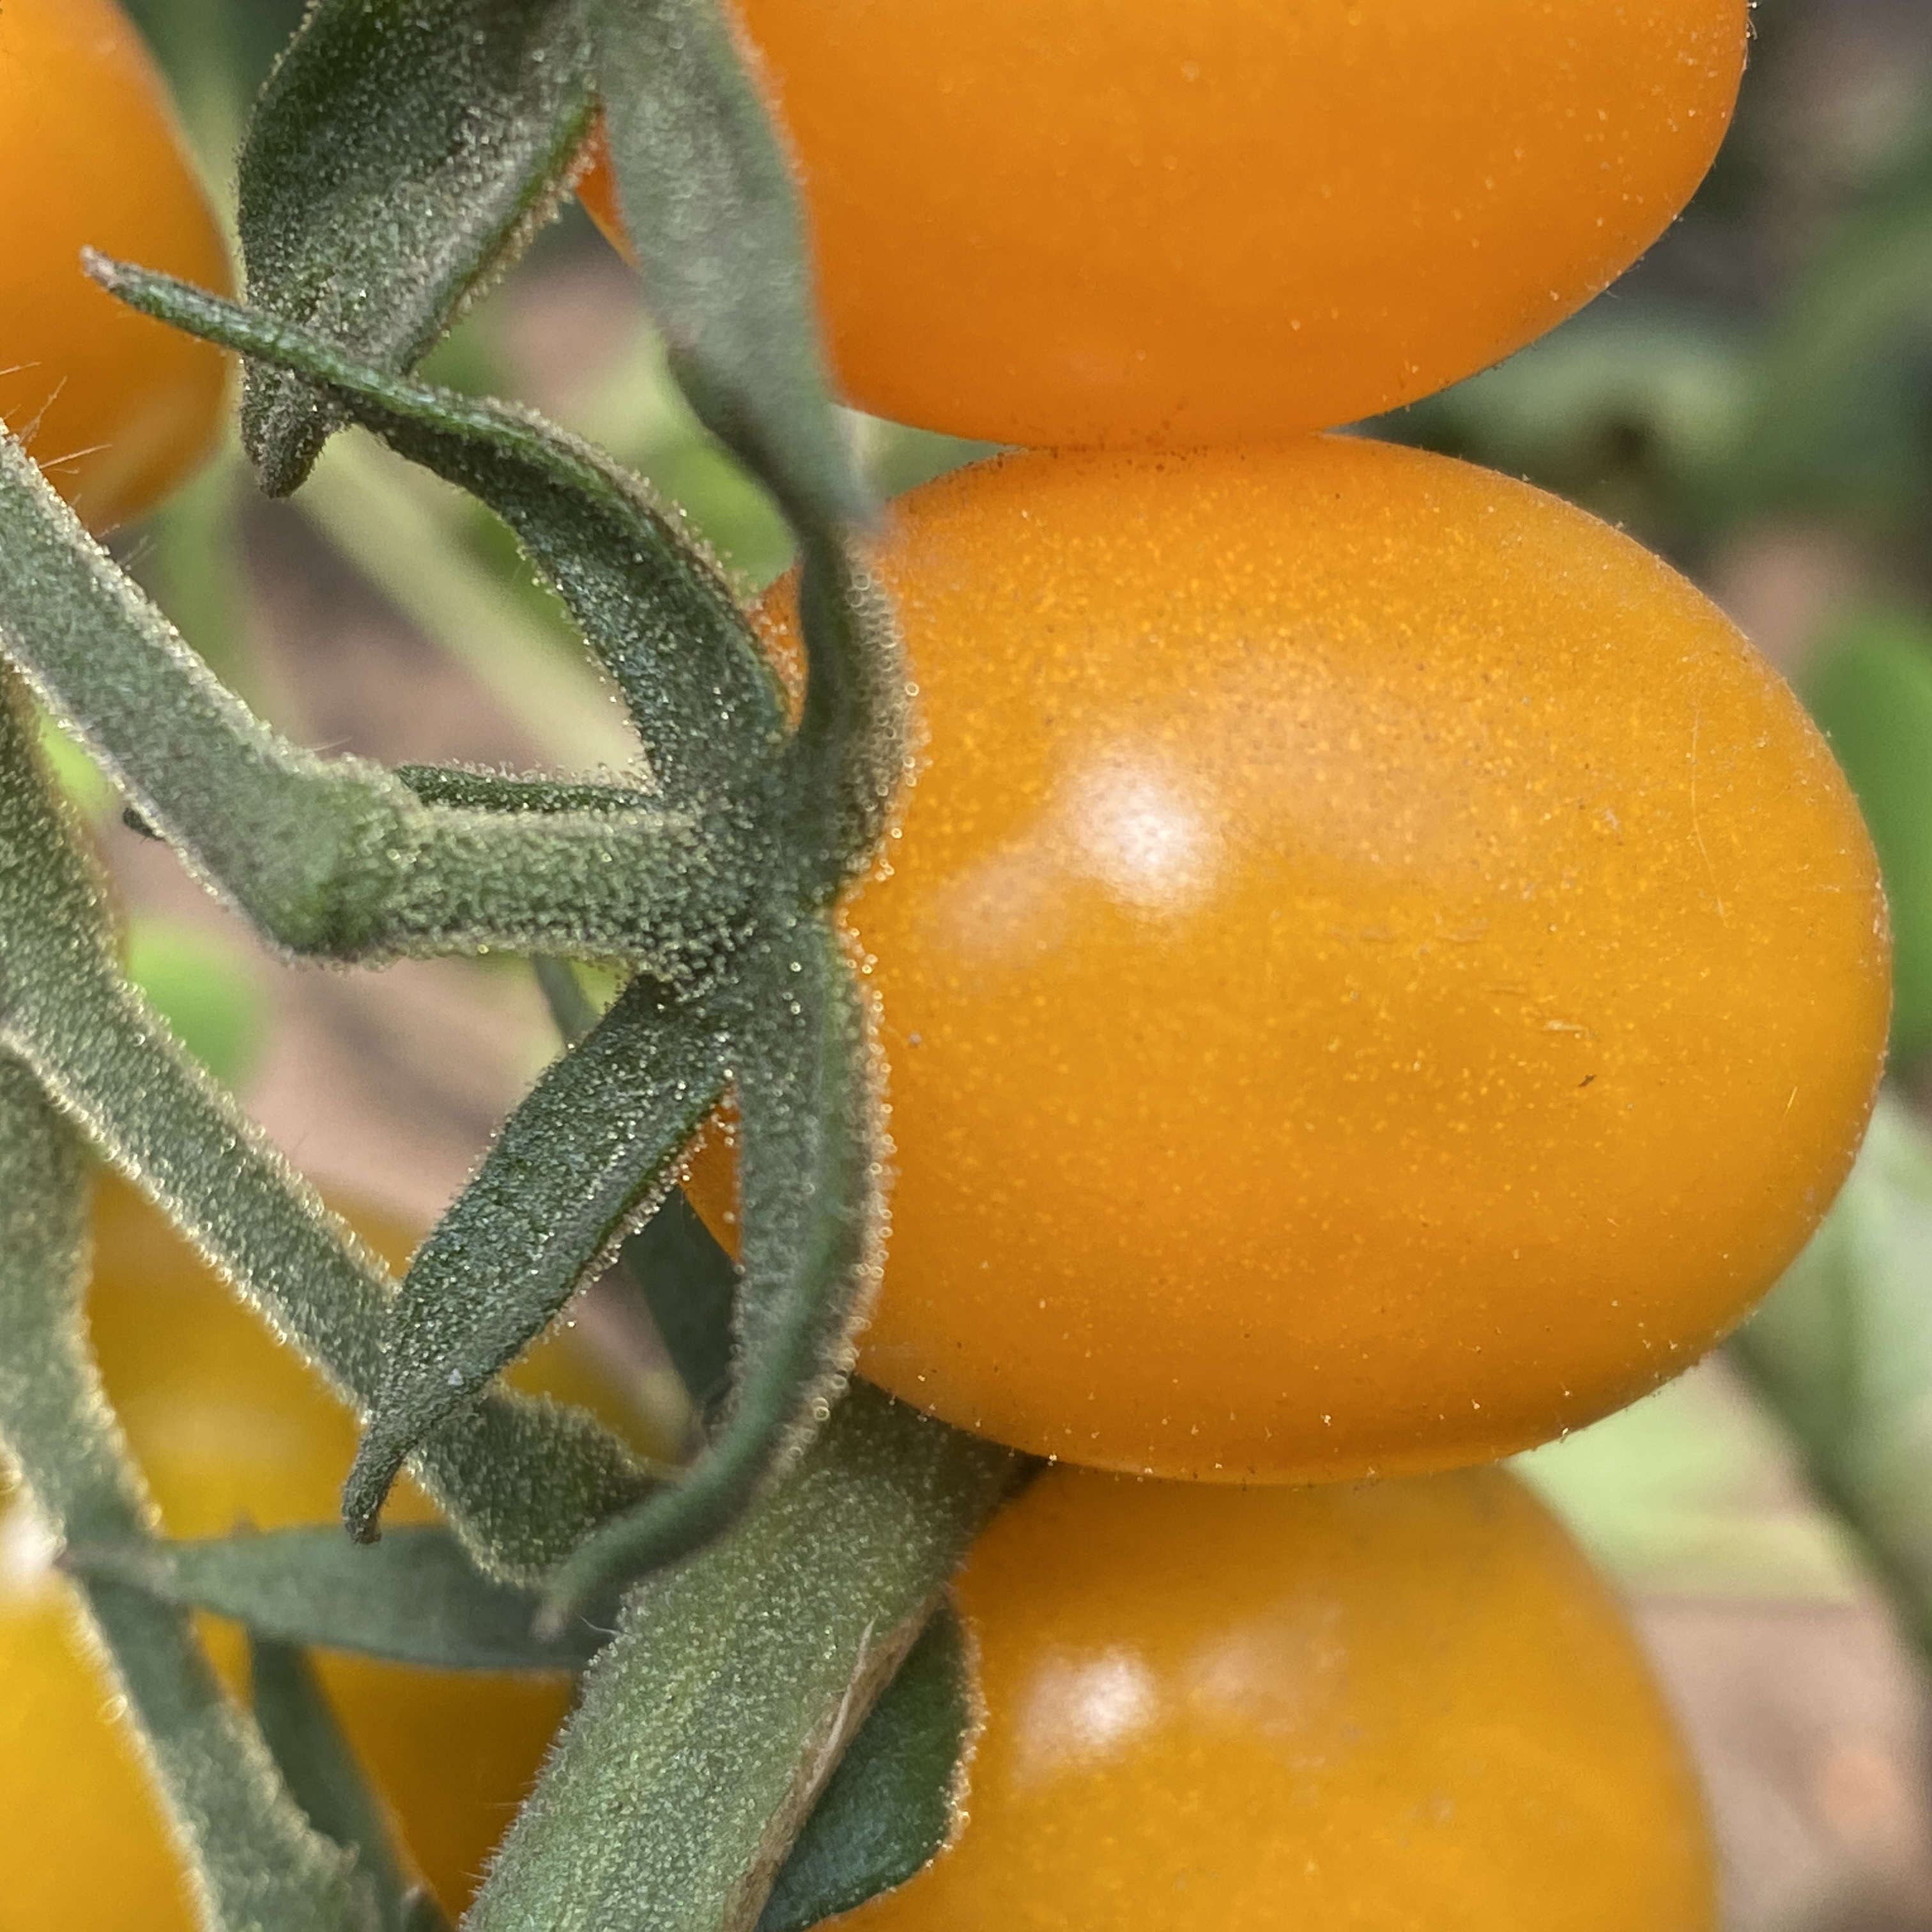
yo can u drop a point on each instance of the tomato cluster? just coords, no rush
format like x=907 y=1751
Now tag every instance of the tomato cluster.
x=1374 y=970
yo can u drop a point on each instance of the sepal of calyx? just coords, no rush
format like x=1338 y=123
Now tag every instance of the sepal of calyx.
x=778 y=820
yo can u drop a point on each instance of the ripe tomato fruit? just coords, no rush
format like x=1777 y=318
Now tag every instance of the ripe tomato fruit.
x=230 y=1427
x=1063 y=222
x=1401 y=1706
x=1375 y=971
x=114 y=407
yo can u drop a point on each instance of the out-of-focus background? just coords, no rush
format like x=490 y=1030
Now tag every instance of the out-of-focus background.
x=1754 y=400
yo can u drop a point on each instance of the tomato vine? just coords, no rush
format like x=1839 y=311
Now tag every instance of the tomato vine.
x=777 y=1694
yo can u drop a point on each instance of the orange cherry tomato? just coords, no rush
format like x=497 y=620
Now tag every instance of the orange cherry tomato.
x=1060 y=222
x=114 y=407
x=1405 y=1708
x=1375 y=971
x=231 y=1427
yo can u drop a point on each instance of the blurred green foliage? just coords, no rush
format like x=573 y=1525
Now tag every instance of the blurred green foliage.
x=208 y=988
x=78 y=776
x=1771 y=359
x=1679 y=1492
x=1870 y=685
x=1842 y=1350
x=217 y=53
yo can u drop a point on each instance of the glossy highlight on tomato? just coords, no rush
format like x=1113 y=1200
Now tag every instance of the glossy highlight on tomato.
x=231 y=1427
x=1375 y=971
x=1408 y=1707
x=116 y=408
x=1208 y=221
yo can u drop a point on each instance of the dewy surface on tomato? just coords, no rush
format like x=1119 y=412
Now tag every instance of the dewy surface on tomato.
x=230 y=1427
x=1375 y=971
x=114 y=407
x=1408 y=1707
x=1076 y=221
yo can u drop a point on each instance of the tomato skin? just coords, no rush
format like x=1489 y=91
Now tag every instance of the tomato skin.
x=230 y=1427
x=1375 y=971
x=1404 y=1706
x=1061 y=222
x=116 y=408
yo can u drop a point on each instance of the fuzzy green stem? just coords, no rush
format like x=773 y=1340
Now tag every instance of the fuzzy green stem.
x=257 y=1865
x=523 y=1480
x=847 y=762
x=808 y=1143
x=711 y=1722
x=330 y=857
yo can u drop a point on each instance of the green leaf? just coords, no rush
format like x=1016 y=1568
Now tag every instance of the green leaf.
x=1870 y=687
x=415 y=1596
x=716 y=224
x=895 y=1799
x=402 y=152
x=659 y=618
x=522 y=1479
x=707 y=1728
x=257 y=1865
x=319 y=1769
x=1670 y=1497
x=1842 y=1350
x=592 y=1145
x=809 y=1168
